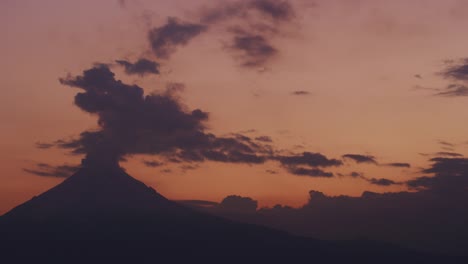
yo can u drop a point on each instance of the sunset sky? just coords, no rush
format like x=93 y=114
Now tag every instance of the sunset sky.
x=377 y=85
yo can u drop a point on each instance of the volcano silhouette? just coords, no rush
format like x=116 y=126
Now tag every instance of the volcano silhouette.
x=101 y=211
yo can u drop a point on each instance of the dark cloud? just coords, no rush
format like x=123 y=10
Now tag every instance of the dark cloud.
x=164 y=40
x=140 y=67
x=254 y=50
x=252 y=25
x=278 y=10
x=360 y=158
x=373 y=181
x=355 y=174
x=448 y=154
x=131 y=122
x=271 y=171
x=46 y=170
x=431 y=217
x=454 y=90
x=311 y=172
x=456 y=71
x=239 y=204
x=307 y=163
x=156 y=124
x=310 y=159
x=300 y=92
x=264 y=139
x=448 y=166
x=398 y=165
x=153 y=163
x=382 y=182
x=424 y=220
x=256 y=23
x=450 y=176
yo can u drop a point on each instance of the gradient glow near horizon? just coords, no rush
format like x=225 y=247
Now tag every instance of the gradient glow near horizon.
x=367 y=71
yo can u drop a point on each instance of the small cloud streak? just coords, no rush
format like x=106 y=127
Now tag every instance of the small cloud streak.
x=358 y=158
x=398 y=165
x=166 y=39
x=60 y=171
x=140 y=67
x=300 y=92
x=454 y=90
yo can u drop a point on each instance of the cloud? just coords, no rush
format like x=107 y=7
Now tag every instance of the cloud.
x=278 y=10
x=140 y=67
x=307 y=163
x=450 y=176
x=300 y=92
x=360 y=158
x=454 y=90
x=310 y=159
x=153 y=163
x=398 y=165
x=431 y=217
x=373 y=181
x=456 y=71
x=159 y=124
x=314 y=172
x=46 y=170
x=131 y=122
x=239 y=204
x=382 y=182
x=448 y=154
x=165 y=39
x=445 y=143
x=355 y=174
x=264 y=139
x=256 y=23
x=174 y=88
x=254 y=50
x=252 y=25
x=424 y=220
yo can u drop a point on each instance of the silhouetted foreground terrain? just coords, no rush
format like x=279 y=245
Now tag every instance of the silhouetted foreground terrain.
x=101 y=214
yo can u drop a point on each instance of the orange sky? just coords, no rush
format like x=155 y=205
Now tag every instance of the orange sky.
x=357 y=59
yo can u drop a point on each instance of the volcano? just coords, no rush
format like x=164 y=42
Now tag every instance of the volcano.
x=101 y=212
